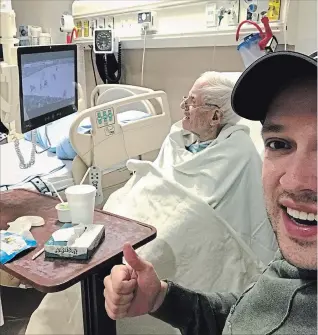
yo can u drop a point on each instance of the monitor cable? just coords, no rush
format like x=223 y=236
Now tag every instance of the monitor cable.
x=144 y=30
x=47 y=138
x=16 y=141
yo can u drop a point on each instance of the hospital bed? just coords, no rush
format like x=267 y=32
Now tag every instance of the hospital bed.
x=139 y=138
x=142 y=121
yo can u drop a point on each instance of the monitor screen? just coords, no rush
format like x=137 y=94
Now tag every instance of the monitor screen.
x=48 y=84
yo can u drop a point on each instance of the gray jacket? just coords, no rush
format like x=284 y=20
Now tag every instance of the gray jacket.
x=282 y=302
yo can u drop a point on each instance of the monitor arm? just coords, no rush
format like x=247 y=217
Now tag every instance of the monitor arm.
x=9 y=75
x=8 y=32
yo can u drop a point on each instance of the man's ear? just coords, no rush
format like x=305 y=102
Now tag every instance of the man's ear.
x=216 y=118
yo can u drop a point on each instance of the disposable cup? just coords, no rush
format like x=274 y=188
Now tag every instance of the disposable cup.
x=63 y=212
x=81 y=202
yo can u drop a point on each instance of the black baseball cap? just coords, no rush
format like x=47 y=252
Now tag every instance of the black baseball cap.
x=262 y=81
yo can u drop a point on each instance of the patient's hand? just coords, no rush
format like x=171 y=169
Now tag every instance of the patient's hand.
x=134 y=289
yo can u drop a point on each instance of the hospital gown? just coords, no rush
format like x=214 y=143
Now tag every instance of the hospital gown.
x=198 y=146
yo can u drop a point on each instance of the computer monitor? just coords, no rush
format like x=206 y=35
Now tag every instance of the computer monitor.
x=48 y=84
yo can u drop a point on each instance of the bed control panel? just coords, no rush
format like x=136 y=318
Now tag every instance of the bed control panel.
x=105 y=118
x=95 y=179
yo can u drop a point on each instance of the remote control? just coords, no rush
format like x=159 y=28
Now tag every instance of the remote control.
x=95 y=179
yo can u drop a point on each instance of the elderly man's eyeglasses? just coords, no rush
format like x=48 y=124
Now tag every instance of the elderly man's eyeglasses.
x=185 y=105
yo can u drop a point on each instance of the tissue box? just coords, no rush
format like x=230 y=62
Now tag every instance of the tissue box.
x=82 y=248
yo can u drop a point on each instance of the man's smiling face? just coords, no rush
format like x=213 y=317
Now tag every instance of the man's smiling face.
x=290 y=172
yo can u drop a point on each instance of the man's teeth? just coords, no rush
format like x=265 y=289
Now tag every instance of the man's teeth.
x=301 y=215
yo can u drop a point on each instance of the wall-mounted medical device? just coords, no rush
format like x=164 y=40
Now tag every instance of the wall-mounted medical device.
x=225 y=12
x=148 y=20
x=105 y=41
x=252 y=13
x=106 y=46
x=256 y=45
x=67 y=23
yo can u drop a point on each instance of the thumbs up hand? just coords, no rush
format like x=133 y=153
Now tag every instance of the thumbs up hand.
x=133 y=289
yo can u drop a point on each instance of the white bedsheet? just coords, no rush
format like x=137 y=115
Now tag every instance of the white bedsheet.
x=186 y=197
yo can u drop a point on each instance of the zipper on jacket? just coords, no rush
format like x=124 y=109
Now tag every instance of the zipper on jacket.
x=229 y=324
x=232 y=310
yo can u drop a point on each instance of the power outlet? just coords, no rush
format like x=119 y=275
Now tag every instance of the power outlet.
x=234 y=13
x=232 y=18
x=210 y=13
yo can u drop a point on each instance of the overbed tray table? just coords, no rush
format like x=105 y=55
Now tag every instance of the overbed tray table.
x=52 y=276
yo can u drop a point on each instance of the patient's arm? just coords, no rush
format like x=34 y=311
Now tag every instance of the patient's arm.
x=195 y=313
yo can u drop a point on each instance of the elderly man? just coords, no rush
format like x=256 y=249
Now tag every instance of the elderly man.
x=208 y=109
x=284 y=299
x=207 y=154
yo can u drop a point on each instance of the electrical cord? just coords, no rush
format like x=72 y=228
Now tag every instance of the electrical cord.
x=214 y=47
x=285 y=25
x=93 y=64
x=114 y=79
x=143 y=58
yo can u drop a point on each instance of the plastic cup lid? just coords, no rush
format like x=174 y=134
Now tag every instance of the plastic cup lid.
x=33 y=221
x=62 y=206
x=19 y=226
x=80 y=189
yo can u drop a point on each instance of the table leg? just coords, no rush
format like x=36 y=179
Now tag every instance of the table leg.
x=95 y=318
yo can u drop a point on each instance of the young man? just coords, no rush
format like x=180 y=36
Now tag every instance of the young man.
x=280 y=90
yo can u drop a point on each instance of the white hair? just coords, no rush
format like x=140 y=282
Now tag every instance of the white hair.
x=217 y=91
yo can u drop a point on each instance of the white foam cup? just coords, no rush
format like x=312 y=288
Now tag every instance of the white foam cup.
x=81 y=201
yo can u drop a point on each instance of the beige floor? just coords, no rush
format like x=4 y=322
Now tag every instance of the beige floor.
x=18 y=305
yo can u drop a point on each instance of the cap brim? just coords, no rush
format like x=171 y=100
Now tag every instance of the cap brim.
x=261 y=82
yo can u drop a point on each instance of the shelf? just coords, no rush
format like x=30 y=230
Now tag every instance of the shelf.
x=90 y=9
x=189 y=40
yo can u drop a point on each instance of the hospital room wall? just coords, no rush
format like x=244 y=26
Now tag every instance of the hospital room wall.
x=305 y=25
x=172 y=70
x=43 y=13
